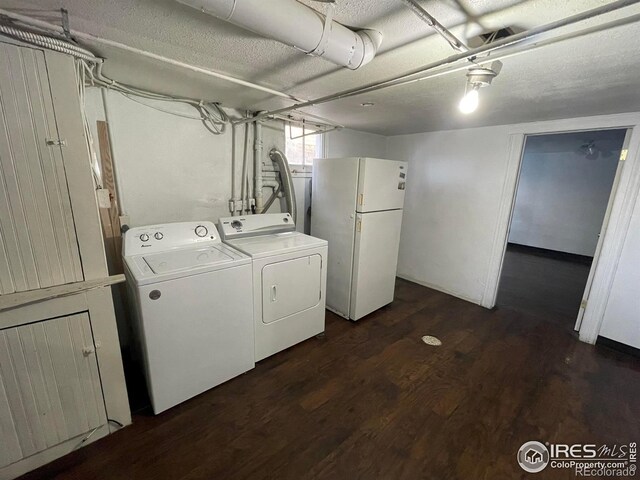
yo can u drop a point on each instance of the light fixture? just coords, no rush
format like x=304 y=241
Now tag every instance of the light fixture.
x=469 y=102
x=477 y=77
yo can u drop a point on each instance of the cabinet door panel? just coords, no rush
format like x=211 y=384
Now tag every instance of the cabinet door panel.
x=49 y=385
x=39 y=245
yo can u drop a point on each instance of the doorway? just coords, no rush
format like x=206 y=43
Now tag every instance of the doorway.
x=561 y=206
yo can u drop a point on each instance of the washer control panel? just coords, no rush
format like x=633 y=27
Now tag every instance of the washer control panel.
x=251 y=225
x=155 y=238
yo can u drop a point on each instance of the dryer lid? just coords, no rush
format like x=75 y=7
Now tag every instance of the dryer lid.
x=185 y=259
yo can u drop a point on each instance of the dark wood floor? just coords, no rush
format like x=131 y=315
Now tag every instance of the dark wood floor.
x=543 y=283
x=372 y=401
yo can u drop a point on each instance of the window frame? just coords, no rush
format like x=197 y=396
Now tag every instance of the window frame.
x=320 y=146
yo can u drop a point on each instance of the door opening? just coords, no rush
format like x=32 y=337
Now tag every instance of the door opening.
x=561 y=206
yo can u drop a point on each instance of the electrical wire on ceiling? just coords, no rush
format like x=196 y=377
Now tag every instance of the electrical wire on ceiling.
x=212 y=116
x=47 y=41
x=89 y=72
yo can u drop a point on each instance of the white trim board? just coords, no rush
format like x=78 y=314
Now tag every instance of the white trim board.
x=616 y=230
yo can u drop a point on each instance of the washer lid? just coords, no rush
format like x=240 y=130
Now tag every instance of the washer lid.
x=186 y=259
x=181 y=262
x=276 y=244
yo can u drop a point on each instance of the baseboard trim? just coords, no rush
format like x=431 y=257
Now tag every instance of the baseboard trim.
x=555 y=254
x=440 y=289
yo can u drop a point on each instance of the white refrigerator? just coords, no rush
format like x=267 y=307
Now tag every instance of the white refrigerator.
x=356 y=205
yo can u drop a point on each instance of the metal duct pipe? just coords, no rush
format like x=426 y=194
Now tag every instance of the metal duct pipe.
x=285 y=178
x=292 y=23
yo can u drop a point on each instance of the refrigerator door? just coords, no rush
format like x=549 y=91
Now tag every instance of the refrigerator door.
x=375 y=261
x=333 y=218
x=381 y=185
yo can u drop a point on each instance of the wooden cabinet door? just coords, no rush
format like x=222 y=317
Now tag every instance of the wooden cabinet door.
x=50 y=387
x=38 y=245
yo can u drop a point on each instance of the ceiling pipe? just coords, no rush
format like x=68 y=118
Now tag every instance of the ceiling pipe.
x=430 y=20
x=409 y=76
x=26 y=20
x=295 y=24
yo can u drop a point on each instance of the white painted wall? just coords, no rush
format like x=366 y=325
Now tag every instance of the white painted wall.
x=455 y=222
x=352 y=143
x=454 y=182
x=171 y=168
x=562 y=195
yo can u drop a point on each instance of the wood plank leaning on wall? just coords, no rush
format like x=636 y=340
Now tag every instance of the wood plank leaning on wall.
x=109 y=217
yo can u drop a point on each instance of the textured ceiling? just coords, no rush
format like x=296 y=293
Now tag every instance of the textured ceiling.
x=594 y=74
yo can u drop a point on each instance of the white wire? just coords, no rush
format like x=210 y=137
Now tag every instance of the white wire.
x=93 y=158
x=89 y=72
x=154 y=107
x=212 y=116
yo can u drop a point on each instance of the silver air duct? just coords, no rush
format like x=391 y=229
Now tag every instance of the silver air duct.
x=286 y=181
x=299 y=26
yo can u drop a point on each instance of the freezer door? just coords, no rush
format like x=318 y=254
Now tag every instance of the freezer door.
x=381 y=185
x=375 y=261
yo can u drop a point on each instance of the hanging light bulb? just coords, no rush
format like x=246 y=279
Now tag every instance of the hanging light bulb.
x=477 y=77
x=469 y=102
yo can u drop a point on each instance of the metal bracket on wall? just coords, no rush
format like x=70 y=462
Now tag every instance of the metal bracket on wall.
x=65 y=23
x=56 y=142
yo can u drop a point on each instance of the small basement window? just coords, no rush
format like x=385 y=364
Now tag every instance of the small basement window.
x=299 y=149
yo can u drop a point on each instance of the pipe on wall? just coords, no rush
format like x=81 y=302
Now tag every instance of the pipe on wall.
x=257 y=166
x=295 y=24
x=244 y=188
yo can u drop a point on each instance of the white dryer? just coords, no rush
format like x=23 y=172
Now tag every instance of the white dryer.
x=193 y=308
x=289 y=278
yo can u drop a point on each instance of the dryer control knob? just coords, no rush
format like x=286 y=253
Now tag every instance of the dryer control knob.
x=158 y=236
x=144 y=237
x=201 y=231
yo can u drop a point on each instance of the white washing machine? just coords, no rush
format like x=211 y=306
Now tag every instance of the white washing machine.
x=289 y=278
x=193 y=308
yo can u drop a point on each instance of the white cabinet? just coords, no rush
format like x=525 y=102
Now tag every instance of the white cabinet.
x=50 y=388
x=52 y=394
x=39 y=244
